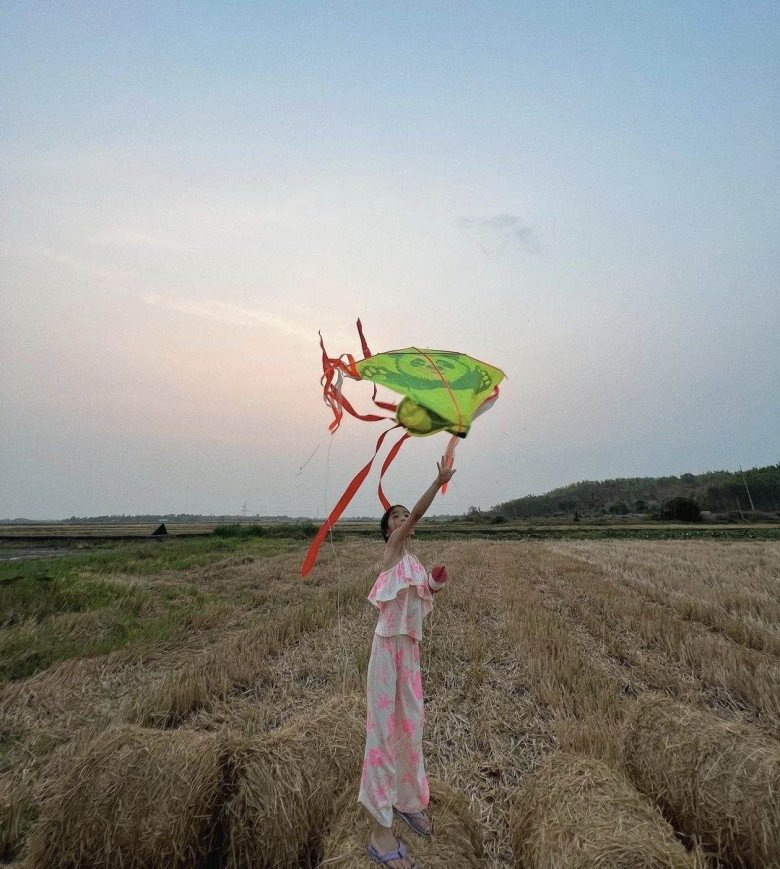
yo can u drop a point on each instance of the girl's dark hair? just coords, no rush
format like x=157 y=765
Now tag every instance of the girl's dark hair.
x=386 y=519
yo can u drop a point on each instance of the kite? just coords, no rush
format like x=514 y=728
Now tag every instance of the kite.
x=442 y=391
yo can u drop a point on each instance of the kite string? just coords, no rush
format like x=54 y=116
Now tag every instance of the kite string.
x=300 y=470
x=342 y=645
x=430 y=646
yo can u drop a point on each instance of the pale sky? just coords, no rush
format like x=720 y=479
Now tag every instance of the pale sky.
x=584 y=194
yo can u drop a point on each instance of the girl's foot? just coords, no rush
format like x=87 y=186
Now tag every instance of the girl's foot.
x=418 y=821
x=388 y=851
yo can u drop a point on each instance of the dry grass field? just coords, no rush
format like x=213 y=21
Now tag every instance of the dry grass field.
x=592 y=703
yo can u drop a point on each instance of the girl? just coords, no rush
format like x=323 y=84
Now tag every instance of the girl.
x=394 y=779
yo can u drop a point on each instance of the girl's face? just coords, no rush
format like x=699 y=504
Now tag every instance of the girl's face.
x=398 y=516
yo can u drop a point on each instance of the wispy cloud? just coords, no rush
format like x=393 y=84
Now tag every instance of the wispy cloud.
x=105 y=275
x=232 y=315
x=497 y=232
x=128 y=237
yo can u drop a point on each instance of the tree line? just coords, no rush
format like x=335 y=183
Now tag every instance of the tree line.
x=719 y=492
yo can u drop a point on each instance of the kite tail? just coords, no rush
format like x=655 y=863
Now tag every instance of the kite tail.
x=367 y=354
x=349 y=494
x=449 y=454
x=334 y=369
x=487 y=403
x=449 y=458
x=363 y=343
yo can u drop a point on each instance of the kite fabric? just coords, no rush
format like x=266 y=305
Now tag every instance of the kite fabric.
x=442 y=391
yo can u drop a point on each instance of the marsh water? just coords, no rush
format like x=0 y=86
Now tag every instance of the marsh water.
x=28 y=553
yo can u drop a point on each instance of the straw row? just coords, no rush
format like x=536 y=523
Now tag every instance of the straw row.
x=748 y=676
x=133 y=798
x=721 y=783
x=745 y=630
x=237 y=662
x=287 y=783
x=716 y=780
x=484 y=727
x=567 y=675
x=723 y=582
x=148 y=798
x=560 y=586
x=744 y=566
x=140 y=798
x=577 y=812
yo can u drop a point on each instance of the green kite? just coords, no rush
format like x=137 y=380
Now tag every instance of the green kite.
x=442 y=391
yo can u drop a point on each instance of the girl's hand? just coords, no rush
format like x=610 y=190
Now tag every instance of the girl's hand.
x=437 y=578
x=445 y=473
x=439 y=573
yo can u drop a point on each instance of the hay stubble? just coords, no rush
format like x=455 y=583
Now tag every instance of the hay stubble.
x=534 y=648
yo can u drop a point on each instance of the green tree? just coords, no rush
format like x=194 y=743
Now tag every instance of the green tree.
x=682 y=509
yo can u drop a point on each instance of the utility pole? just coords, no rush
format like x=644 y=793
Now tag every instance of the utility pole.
x=744 y=480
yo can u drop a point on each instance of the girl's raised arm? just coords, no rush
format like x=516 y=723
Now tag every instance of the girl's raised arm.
x=418 y=511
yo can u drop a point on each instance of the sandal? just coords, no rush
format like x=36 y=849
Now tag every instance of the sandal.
x=383 y=859
x=413 y=820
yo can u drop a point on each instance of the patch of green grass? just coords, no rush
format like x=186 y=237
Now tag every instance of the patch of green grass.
x=39 y=594
x=291 y=531
x=142 y=558
x=77 y=605
x=33 y=645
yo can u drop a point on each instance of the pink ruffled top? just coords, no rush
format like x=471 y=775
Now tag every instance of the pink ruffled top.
x=403 y=597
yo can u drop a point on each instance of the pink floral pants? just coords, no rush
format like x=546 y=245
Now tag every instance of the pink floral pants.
x=393 y=769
